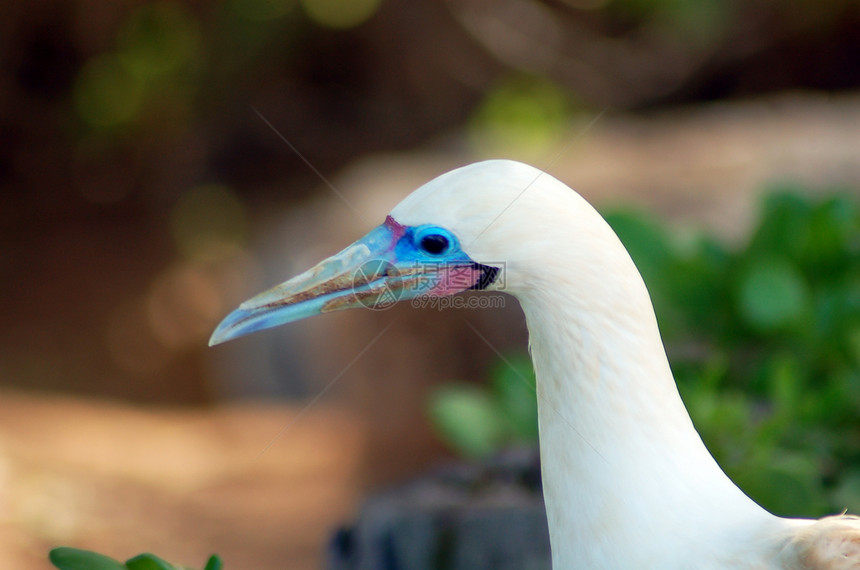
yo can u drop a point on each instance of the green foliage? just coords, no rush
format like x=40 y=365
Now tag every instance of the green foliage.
x=764 y=341
x=780 y=413
x=66 y=558
x=477 y=421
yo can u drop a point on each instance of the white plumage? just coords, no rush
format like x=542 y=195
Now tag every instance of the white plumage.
x=627 y=480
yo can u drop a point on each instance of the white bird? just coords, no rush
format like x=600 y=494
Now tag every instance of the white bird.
x=628 y=482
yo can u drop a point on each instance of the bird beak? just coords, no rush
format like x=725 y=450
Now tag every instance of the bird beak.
x=366 y=274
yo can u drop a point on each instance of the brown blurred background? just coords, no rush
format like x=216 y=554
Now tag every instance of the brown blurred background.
x=161 y=161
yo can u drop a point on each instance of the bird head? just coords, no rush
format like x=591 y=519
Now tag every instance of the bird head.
x=455 y=233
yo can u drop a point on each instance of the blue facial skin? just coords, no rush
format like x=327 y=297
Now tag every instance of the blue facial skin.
x=420 y=256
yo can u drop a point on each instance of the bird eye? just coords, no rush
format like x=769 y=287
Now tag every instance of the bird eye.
x=434 y=244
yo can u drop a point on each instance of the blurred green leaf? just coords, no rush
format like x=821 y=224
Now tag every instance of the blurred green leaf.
x=772 y=294
x=66 y=558
x=784 y=483
x=833 y=233
x=468 y=419
x=513 y=384
x=785 y=386
x=149 y=562
x=784 y=227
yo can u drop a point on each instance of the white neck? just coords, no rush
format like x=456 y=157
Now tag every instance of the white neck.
x=627 y=480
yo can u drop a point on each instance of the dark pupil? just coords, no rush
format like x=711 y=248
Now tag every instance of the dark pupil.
x=434 y=244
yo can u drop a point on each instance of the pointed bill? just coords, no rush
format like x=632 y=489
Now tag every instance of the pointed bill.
x=375 y=272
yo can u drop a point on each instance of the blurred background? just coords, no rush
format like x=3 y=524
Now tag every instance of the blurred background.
x=162 y=161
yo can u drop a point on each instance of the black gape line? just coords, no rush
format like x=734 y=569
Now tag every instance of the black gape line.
x=488 y=275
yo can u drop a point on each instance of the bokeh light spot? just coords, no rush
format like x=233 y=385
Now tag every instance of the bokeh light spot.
x=183 y=304
x=159 y=38
x=207 y=222
x=522 y=115
x=106 y=92
x=262 y=10
x=340 y=14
